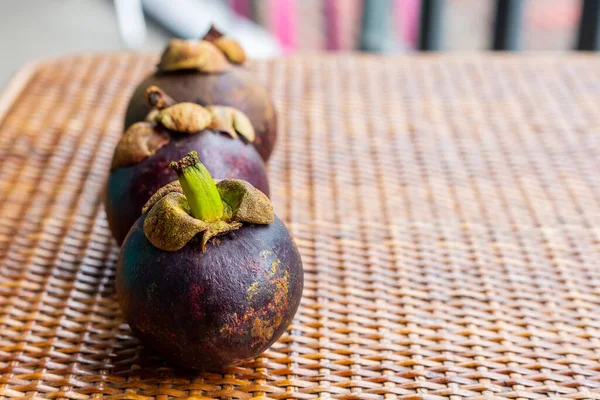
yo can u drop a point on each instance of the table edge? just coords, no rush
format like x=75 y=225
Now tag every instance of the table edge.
x=15 y=85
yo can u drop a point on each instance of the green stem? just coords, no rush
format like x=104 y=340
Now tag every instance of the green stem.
x=199 y=188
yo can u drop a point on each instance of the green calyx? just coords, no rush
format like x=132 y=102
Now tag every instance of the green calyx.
x=199 y=188
x=195 y=204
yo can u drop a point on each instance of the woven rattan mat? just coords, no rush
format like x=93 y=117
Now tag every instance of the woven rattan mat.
x=447 y=209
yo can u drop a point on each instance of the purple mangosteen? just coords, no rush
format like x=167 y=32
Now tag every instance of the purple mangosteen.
x=210 y=72
x=208 y=276
x=140 y=166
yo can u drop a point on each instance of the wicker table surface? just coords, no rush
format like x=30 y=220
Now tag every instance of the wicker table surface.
x=447 y=209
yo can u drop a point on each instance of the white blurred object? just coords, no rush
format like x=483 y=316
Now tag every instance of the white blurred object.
x=191 y=19
x=188 y=19
x=132 y=26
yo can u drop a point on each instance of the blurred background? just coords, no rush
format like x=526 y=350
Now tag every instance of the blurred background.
x=35 y=29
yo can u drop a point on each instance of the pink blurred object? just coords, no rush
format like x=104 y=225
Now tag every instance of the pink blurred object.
x=407 y=21
x=553 y=14
x=343 y=23
x=309 y=24
x=332 y=15
x=241 y=7
x=283 y=22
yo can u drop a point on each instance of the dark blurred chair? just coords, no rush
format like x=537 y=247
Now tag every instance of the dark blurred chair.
x=507 y=25
x=587 y=38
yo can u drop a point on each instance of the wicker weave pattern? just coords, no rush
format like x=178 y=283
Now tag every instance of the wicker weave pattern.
x=447 y=209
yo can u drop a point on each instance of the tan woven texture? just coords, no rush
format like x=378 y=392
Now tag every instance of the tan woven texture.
x=447 y=209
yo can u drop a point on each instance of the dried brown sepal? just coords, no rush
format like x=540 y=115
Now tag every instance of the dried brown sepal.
x=232 y=121
x=232 y=49
x=173 y=187
x=157 y=98
x=202 y=56
x=185 y=118
x=169 y=225
x=218 y=228
x=140 y=141
x=245 y=203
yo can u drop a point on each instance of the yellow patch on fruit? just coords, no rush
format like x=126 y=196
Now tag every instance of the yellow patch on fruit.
x=281 y=291
x=263 y=321
x=262 y=329
x=252 y=290
x=274 y=266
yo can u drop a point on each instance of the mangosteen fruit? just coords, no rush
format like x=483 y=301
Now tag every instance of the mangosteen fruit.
x=222 y=136
x=208 y=276
x=210 y=71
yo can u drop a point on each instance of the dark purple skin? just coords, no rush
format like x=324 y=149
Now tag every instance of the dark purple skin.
x=236 y=88
x=129 y=188
x=210 y=310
